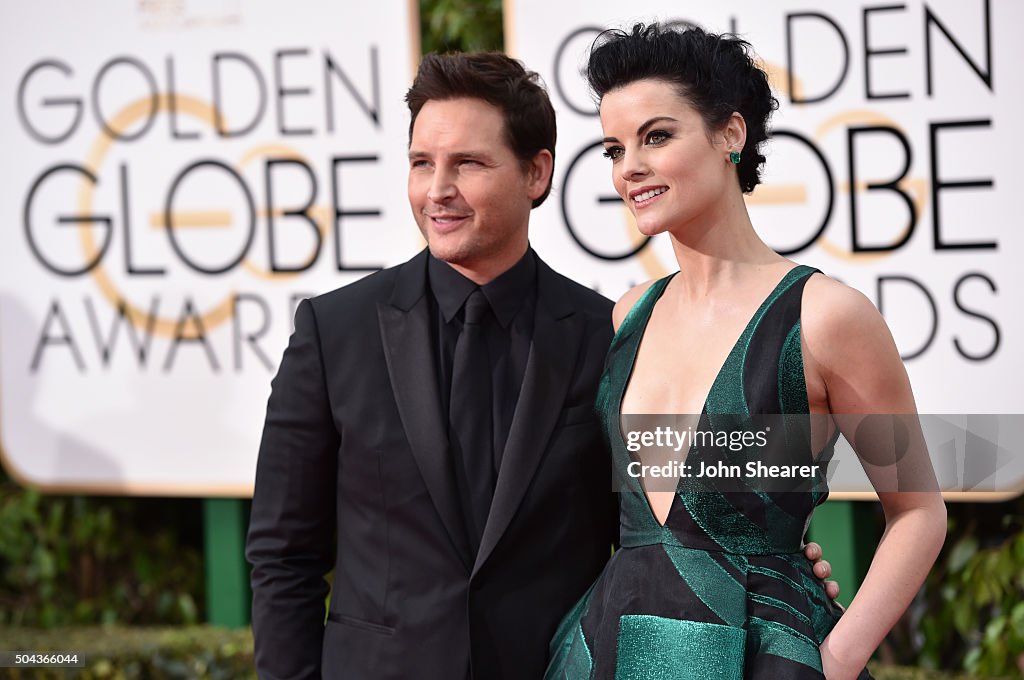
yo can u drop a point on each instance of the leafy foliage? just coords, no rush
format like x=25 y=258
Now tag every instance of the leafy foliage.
x=75 y=559
x=461 y=25
x=970 y=613
x=122 y=653
x=200 y=653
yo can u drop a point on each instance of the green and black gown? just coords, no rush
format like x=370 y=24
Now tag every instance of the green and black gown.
x=722 y=590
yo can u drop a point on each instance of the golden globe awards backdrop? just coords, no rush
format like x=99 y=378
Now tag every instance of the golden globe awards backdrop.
x=895 y=166
x=176 y=176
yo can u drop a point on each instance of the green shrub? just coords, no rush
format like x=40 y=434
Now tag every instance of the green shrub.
x=73 y=559
x=461 y=25
x=200 y=653
x=970 y=612
x=977 y=601
x=883 y=672
x=124 y=653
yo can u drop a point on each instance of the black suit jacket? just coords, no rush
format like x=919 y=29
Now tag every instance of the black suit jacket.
x=355 y=475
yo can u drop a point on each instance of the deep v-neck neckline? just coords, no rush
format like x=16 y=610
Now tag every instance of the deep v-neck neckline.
x=635 y=351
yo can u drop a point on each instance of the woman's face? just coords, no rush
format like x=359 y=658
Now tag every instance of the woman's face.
x=665 y=165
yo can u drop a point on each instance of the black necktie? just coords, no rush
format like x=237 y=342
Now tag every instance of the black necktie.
x=469 y=416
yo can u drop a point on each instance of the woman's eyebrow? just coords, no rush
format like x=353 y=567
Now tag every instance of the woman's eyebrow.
x=640 y=130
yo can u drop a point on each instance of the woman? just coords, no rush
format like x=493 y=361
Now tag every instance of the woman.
x=708 y=583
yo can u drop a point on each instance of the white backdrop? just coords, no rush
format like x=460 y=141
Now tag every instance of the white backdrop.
x=952 y=297
x=136 y=356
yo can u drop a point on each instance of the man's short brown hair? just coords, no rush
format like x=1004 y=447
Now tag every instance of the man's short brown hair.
x=500 y=81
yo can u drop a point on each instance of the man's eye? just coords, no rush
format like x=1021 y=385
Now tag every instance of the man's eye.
x=419 y=163
x=613 y=152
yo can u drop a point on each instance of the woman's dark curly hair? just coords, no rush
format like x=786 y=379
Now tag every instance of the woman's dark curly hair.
x=716 y=74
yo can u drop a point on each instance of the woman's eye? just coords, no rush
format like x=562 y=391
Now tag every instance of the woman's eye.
x=613 y=152
x=657 y=137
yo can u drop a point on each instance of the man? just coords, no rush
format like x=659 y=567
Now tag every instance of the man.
x=430 y=435
x=433 y=579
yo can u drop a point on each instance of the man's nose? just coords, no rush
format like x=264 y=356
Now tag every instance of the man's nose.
x=442 y=187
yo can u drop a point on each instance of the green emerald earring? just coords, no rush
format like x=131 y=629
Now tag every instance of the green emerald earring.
x=734 y=157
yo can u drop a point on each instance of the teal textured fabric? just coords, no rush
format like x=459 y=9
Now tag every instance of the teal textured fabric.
x=657 y=648
x=721 y=590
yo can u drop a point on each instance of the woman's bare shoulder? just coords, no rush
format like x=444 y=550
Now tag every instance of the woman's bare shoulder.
x=849 y=344
x=835 y=312
x=626 y=302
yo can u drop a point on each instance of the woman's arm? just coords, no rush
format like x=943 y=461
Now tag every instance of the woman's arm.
x=850 y=348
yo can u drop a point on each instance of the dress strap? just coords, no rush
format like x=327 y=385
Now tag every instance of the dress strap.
x=640 y=312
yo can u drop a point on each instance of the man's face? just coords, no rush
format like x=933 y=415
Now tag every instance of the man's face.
x=470 y=194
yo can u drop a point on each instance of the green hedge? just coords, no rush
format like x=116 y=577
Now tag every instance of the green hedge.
x=129 y=653
x=461 y=25
x=76 y=560
x=197 y=653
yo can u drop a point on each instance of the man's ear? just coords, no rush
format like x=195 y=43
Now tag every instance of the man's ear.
x=538 y=173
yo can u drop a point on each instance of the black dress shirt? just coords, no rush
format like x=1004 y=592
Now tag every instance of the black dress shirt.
x=509 y=332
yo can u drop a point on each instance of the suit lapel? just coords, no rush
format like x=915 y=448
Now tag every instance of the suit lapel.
x=557 y=333
x=405 y=331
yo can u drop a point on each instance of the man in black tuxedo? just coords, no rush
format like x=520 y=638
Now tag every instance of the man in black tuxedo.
x=455 y=549
x=430 y=435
